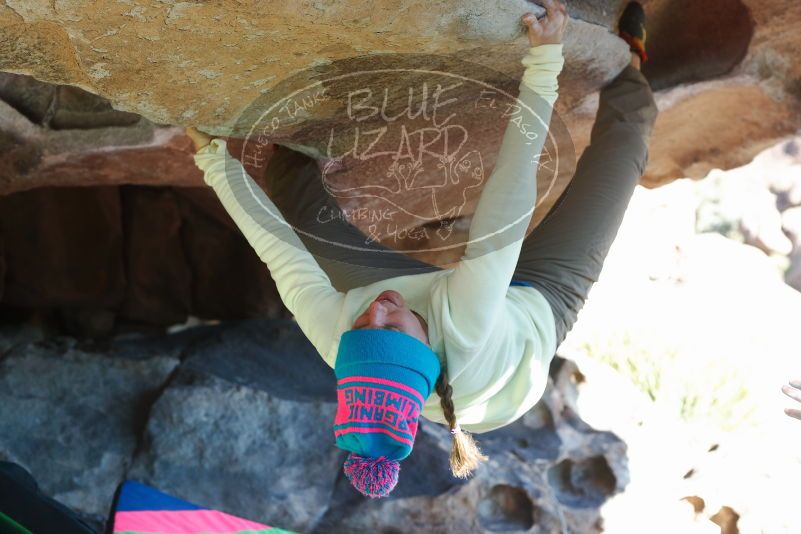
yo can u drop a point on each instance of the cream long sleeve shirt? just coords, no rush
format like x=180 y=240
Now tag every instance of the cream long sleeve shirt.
x=497 y=341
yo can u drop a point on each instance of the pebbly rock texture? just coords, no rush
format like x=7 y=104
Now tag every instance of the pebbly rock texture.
x=244 y=425
x=548 y=472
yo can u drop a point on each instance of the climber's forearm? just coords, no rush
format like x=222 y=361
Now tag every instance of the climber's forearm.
x=303 y=286
x=507 y=202
x=510 y=191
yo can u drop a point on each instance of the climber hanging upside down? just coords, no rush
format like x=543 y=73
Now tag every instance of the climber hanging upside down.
x=468 y=346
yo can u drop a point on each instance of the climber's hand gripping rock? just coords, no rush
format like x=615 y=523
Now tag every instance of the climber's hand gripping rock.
x=199 y=139
x=550 y=28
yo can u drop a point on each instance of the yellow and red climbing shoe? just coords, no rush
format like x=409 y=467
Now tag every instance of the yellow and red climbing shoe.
x=631 y=28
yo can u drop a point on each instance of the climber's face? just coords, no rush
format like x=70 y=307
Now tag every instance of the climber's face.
x=389 y=312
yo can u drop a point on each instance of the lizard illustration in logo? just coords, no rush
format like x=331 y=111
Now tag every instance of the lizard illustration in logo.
x=427 y=185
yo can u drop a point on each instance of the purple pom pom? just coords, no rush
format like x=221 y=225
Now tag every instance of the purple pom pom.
x=373 y=477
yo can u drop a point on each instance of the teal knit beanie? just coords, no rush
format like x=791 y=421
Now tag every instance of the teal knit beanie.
x=383 y=380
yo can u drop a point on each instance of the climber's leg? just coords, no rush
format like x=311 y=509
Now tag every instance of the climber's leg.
x=563 y=256
x=295 y=185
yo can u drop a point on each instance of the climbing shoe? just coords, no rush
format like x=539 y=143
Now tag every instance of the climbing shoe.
x=631 y=28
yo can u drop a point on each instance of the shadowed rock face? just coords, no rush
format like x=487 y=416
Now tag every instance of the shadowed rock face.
x=693 y=41
x=92 y=256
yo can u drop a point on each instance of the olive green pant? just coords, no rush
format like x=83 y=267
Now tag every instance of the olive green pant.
x=562 y=257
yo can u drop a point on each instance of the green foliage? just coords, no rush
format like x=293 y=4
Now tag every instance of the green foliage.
x=698 y=390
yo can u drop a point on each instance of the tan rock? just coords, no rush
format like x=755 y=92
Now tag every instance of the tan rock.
x=725 y=73
x=203 y=64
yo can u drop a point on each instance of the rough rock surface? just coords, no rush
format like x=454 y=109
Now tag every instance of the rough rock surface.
x=249 y=452
x=244 y=424
x=172 y=43
x=727 y=72
x=73 y=418
x=97 y=143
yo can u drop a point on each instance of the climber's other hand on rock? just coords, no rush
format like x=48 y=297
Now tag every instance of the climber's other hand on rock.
x=550 y=28
x=199 y=139
x=793 y=390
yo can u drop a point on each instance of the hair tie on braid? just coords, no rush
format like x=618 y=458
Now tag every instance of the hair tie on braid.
x=465 y=454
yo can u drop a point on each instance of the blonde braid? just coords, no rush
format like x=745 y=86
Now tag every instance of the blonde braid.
x=465 y=454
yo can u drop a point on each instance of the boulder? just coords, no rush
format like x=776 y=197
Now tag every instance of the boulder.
x=245 y=427
x=725 y=73
x=247 y=452
x=73 y=417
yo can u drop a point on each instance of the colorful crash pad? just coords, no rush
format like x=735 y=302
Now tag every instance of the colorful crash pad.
x=141 y=509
